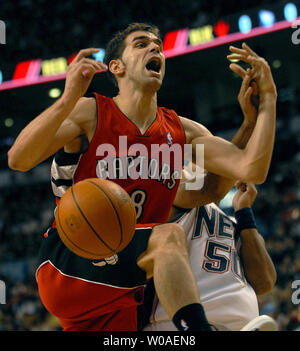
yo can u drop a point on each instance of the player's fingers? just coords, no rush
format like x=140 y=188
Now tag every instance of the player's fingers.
x=247 y=78
x=255 y=62
x=245 y=85
x=254 y=87
x=248 y=94
x=251 y=188
x=252 y=70
x=87 y=67
x=238 y=50
x=259 y=62
x=243 y=187
x=244 y=58
x=238 y=184
x=100 y=66
x=238 y=57
x=103 y=66
x=87 y=70
x=237 y=69
x=249 y=50
x=85 y=52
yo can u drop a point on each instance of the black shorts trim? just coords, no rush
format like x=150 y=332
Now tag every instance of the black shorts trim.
x=124 y=273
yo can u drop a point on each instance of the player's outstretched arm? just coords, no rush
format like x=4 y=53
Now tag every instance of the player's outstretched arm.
x=215 y=187
x=258 y=266
x=226 y=159
x=67 y=118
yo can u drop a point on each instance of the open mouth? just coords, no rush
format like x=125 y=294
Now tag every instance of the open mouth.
x=154 y=65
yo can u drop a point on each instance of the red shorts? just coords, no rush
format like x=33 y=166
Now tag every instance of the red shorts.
x=87 y=295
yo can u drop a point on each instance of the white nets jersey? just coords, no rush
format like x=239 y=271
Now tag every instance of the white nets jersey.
x=228 y=299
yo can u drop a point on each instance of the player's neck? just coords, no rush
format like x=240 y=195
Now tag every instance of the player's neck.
x=140 y=108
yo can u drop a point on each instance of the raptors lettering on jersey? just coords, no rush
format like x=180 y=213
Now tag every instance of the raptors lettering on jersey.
x=139 y=166
x=148 y=166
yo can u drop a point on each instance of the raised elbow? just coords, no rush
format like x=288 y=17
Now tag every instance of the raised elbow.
x=265 y=286
x=260 y=178
x=263 y=289
x=253 y=174
x=14 y=164
x=11 y=161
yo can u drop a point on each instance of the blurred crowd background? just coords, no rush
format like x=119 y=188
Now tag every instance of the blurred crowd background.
x=46 y=29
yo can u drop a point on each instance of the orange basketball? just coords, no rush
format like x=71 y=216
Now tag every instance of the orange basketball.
x=95 y=218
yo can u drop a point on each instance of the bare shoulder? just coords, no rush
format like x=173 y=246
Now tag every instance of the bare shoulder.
x=84 y=110
x=84 y=115
x=193 y=129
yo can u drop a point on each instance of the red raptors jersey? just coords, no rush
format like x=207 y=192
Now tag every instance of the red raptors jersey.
x=148 y=166
x=88 y=295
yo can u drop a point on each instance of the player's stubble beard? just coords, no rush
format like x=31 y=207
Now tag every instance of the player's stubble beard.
x=139 y=79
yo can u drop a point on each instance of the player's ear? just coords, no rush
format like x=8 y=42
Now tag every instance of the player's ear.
x=116 y=67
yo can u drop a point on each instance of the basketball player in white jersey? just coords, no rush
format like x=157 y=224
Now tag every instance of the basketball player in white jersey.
x=230 y=263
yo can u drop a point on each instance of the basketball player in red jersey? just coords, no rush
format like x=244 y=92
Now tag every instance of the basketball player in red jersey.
x=138 y=65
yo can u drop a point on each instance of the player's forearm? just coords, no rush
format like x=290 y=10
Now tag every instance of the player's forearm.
x=243 y=135
x=218 y=185
x=258 y=266
x=258 y=151
x=35 y=138
x=240 y=139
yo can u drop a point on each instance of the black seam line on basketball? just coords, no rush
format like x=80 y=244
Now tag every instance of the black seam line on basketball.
x=89 y=224
x=116 y=212
x=67 y=237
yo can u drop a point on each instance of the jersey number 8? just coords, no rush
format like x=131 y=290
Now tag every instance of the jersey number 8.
x=139 y=198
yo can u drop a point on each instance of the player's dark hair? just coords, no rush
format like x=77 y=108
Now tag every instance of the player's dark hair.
x=116 y=45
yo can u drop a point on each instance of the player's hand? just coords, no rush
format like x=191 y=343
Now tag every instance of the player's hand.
x=262 y=72
x=80 y=74
x=245 y=196
x=248 y=94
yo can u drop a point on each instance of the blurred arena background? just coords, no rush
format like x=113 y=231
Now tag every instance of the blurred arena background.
x=42 y=36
